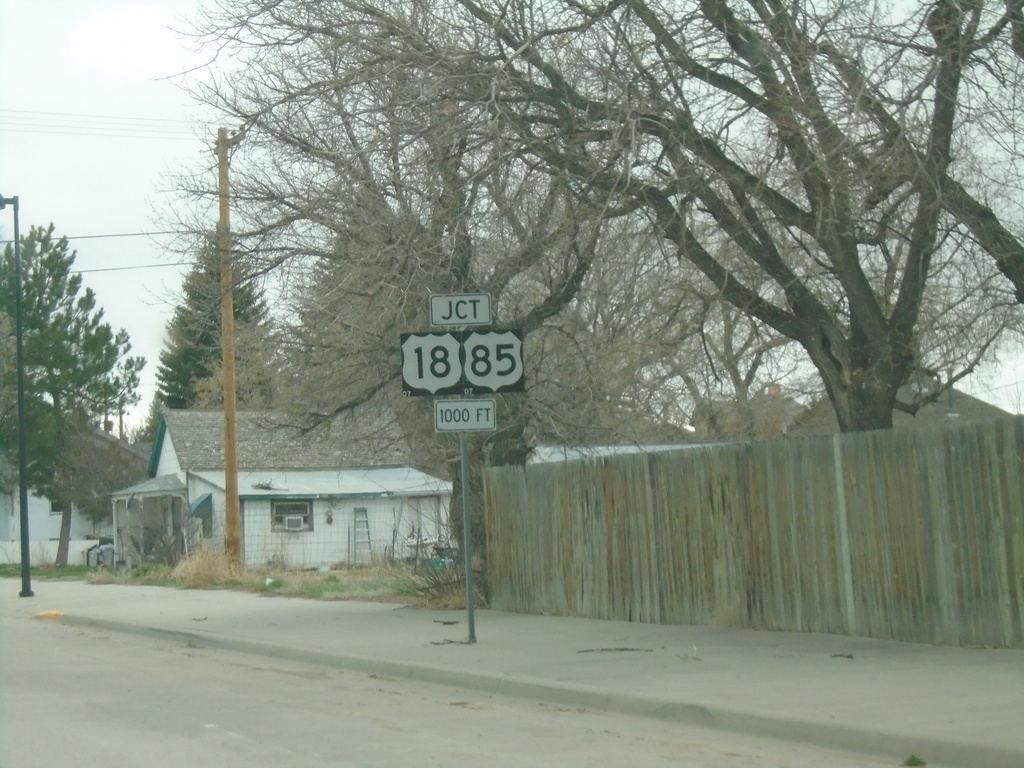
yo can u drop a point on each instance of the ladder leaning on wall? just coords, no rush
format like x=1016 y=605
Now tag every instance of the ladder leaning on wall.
x=360 y=535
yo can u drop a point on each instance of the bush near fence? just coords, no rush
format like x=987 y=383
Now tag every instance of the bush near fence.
x=913 y=535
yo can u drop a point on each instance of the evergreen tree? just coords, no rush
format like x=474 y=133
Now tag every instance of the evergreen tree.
x=192 y=352
x=146 y=431
x=97 y=463
x=77 y=369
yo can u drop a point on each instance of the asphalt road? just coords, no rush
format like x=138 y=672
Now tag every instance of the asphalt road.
x=86 y=698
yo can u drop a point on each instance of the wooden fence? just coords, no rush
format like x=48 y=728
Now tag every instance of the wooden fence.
x=914 y=535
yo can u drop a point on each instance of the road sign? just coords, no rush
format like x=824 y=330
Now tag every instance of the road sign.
x=460 y=309
x=462 y=362
x=470 y=415
x=493 y=361
x=431 y=364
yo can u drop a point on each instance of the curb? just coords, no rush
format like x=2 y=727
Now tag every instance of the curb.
x=827 y=735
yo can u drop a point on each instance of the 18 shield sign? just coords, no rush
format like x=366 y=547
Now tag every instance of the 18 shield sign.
x=462 y=362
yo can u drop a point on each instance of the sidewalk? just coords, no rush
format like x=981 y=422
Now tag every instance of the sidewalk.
x=948 y=706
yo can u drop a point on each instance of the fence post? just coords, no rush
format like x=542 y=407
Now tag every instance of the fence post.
x=947 y=611
x=845 y=559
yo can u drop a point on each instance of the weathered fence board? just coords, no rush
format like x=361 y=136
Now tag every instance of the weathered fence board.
x=908 y=535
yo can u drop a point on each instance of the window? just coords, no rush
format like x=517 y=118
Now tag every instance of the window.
x=292 y=516
x=56 y=508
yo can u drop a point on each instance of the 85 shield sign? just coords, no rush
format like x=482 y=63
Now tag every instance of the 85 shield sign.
x=462 y=362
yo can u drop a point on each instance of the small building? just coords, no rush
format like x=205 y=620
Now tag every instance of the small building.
x=109 y=462
x=316 y=499
x=950 y=406
x=44 y=520
x=766 y=415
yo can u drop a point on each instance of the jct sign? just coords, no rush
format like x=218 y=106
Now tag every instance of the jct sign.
x=462 y=362
x=460 y=309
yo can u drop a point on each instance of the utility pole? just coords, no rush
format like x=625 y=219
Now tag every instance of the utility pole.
x=232 y=539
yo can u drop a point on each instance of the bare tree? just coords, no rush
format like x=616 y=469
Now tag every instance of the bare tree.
x=362 y=185
x=831 y=131
x=486 y=146
x=363 y=188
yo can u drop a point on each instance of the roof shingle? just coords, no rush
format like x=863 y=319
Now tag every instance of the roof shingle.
x=266 y=440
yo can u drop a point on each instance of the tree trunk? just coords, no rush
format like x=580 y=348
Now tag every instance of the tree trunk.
x=862 y=398
x=866 y=407
x=65 y=536
x=508 y=445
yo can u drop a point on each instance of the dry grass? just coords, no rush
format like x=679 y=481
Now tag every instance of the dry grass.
x=203 y=569
x=379 y=582
x=445 y=587
x=157 y=575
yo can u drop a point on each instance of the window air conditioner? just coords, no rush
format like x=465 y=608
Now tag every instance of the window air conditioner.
x=293 y=523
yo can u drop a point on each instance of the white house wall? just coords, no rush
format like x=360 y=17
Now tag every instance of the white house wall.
x=43 y=530
x=392 y=521
x=8 y=511
x=168 y=463
x=197 y=486
x=41 y=524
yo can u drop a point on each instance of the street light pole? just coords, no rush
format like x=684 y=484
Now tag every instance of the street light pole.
x=26 y=573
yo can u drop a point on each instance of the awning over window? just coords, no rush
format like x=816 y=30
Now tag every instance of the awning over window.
x=201 y=506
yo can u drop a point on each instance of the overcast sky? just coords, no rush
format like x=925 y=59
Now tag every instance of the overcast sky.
x=92 y=130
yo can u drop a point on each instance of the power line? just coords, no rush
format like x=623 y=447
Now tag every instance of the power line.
x=113 y=235
x=126 y=269
x=96 y=134
x=130 y=267
x=100 y=237
x=79 y=115
x=72 y=124
x=122 y=234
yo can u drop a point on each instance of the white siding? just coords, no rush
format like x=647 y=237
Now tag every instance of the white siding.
x=41 y=553
x=391 y=521
x=42 y=526
x=43 y=531
x=215 y=540
x=168 y=463
x=8 y=511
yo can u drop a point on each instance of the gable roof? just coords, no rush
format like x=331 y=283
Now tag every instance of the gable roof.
x=167 y=485
x=954 y=404
x=820 y=418
x=548 y=454
x=333 y=483
x=766 y=415
x=267 y=440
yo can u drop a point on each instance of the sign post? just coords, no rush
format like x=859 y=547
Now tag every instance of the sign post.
x=467 y=364
x=467 y=539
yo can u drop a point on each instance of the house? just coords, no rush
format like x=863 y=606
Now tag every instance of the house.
x=548 y=454
x=107 y=456
x=44 y=518
x=952 y=405
x=345 y=494
x=767 y=415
